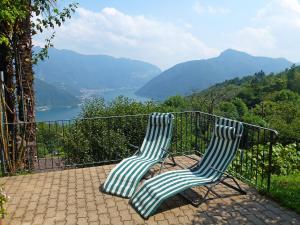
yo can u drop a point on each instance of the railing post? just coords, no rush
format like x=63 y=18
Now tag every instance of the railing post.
x=2 y=95
x=270 y=161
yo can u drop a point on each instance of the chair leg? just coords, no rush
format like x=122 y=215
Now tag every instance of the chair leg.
x=237 y=187
x=173 y=160
x=196 y=202
x=164 y=162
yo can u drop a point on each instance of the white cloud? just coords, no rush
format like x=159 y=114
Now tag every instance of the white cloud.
x=201 y=9
x=274 y=31
x=253 y=40
x=280 y=13
x=115 y=33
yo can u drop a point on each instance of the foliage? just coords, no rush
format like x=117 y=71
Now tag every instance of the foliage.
x=285 y=159
x=3 y=200
x=10 y=13
x=49 y=139
x=47 y=17
x=19 y=21
x=286 y=190
x=265 y=100
x=175 y=102
x=98 y=136
x=241 y=107
x=228 y=109
x=46 y=14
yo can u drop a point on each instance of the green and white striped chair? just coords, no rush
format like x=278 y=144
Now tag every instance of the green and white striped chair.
x=125 y=177
x=208 y=171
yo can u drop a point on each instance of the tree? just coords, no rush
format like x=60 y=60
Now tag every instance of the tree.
x=241 y=107
x=18 y=101
x=228 y=109
x=177 y=102
x=293 y=79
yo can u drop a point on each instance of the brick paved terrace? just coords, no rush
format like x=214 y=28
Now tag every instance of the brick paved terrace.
x=73 y=197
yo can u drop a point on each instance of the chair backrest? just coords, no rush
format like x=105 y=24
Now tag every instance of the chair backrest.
x=222 y=147
x=158 y=135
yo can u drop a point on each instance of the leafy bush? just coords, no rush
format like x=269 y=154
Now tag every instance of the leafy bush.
x=3 y=200
x=99 y=136
x=49 y=139
x=286 y=189
x=88 y=142
x=285 y=160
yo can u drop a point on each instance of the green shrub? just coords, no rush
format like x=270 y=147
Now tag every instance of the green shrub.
x=99 y=136
x=285 y=159
x=3 y=200
x=286 y=190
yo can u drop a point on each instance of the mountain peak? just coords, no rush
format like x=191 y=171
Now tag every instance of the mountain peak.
x=198 y=75
x=232 y=53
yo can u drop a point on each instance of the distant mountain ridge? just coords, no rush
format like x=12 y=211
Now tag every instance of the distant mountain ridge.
x=68 y=68
x=61 y=77
x=196 y=75
x=49 y=96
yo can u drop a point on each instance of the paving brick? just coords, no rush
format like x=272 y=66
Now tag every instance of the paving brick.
x=72 y=197
x=82 y=213
x=50 y=212
x=82 y=221
x=71 y=218
x=38 y=219
x=104 y=219
x=19 y=212
x=29 y=216
x=60 y=216
x=125 y=215
x=93 y=216
x=116 y=221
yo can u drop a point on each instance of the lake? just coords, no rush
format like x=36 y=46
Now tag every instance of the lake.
x=70 y=113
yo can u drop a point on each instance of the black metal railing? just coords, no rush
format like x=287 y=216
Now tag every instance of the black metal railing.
x=102 y=140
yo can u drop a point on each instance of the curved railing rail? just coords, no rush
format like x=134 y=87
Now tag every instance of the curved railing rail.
x=94 y=141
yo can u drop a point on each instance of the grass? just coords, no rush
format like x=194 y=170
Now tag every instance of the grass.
x=286 y=190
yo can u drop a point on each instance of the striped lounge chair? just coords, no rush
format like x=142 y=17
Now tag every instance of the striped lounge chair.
x=125 y=177
x=208 y=172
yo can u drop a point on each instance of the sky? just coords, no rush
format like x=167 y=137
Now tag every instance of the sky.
x=167 y=32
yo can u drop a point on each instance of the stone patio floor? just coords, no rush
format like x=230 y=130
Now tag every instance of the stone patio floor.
x=73 y=197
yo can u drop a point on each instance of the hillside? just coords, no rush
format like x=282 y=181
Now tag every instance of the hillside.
x=73 y=70
x=267 y=100
x=184 y=78
x=50 y=96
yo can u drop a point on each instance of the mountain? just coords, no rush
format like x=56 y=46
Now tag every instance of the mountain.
x=69 y=69
x=196 y=75
x=49 y=96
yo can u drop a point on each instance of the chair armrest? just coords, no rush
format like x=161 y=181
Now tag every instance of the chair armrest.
x=200 y=153
x=166 y=152
x=134 y=146
x=224 y=173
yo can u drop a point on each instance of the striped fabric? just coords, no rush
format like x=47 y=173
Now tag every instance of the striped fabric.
x=125 y=177
x=218 y=155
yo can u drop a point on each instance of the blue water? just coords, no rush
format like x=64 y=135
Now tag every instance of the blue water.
x=58 y=114
x=70 y=113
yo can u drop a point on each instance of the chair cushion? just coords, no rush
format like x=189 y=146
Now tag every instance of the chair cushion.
x=225 y=132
